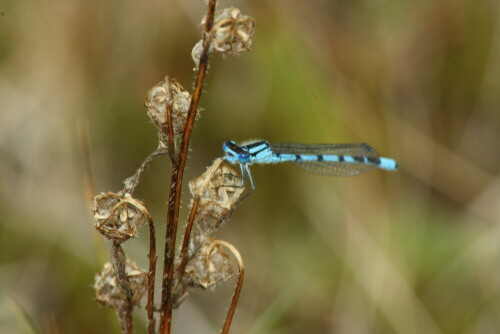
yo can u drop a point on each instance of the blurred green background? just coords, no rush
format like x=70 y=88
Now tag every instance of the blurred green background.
x=416 y=251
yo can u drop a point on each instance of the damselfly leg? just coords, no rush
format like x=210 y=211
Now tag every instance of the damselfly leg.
x=245 y=172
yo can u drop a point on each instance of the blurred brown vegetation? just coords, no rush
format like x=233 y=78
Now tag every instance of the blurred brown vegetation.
x=416 y=251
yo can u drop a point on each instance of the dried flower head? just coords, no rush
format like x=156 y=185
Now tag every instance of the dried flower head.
x=215 y=192
x=231 y=34
x=218 y=191
x=168 y=94
x=109 y=291
x=117 y=217
x=210 y=266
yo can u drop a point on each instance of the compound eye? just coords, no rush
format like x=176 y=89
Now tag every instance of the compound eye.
x=226 y=146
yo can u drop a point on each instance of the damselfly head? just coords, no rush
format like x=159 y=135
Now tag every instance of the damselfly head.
x=231 y=150
x=226 y=146
x=235 y=153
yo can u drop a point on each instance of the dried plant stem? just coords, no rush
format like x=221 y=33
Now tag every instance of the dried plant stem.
x=151 y=277
x=166 y=307
x=176 y=180
x=119 y=264
x=131 y=183
x=192 y=215
x=187 y=236
x=170 y=128
x=237 y=290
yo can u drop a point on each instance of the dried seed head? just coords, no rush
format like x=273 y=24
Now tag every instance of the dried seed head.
x=219 y=184
x=117 y=217
x=231 y=34
x=197 y=52
x=210 y=266
x=218 y=190
x=110 y=293
x=168 y=93
x=204 y=263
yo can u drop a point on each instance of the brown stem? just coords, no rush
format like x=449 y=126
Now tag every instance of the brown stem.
x=237 y=290
x=166 y=312
x=170 y=129
x=234 y=303
x=151 y=277
x=119 y=264
x=187 y=236
x=176 y=181
x=131 y=182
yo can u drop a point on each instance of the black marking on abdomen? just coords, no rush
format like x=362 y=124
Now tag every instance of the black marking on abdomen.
x=358 y=158
x=368 y=147
x=375 y=161
x=320 y=157
x=297 y=156
x=341 y=158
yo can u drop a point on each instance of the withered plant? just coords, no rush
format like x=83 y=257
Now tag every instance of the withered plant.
x=203 y=261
